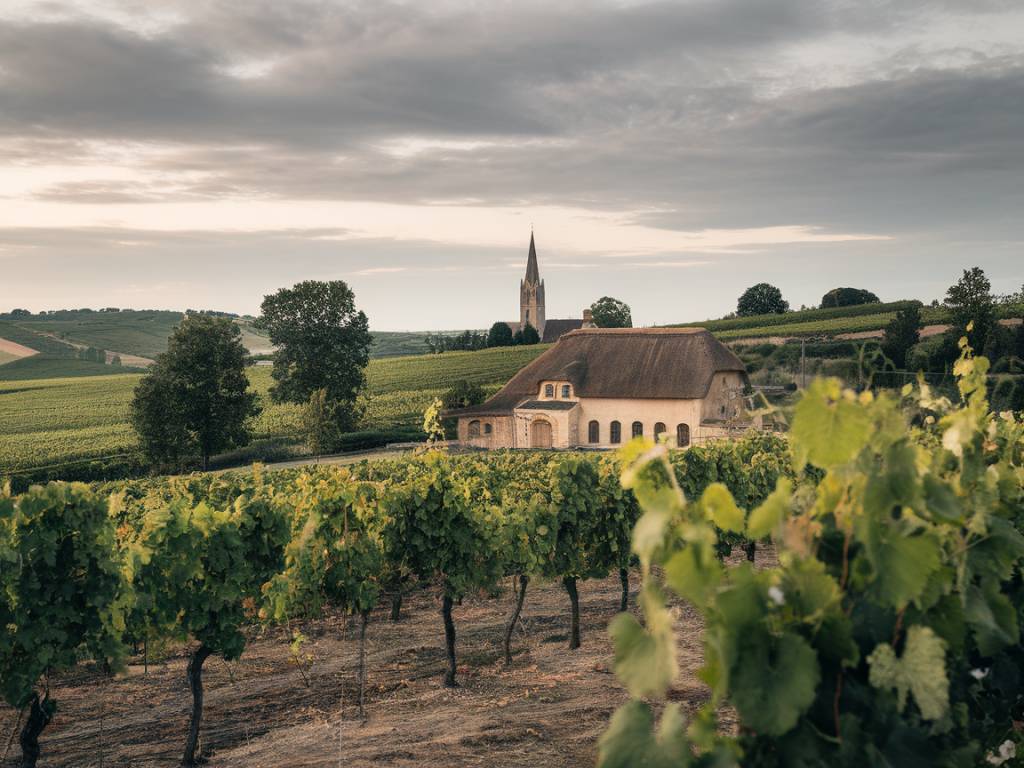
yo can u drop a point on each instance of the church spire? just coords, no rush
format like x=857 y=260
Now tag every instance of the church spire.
x=532 y=270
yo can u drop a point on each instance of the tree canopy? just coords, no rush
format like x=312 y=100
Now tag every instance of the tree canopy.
x=195 y=398
x=761 y=299
x=902 y=333
x=611 y=313
x=500 y=335
x=848 y=297
x=969 y=300
x=322 y=341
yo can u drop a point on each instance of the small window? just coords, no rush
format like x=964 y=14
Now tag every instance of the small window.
x=474 y=428
x=594 y=432
x=565 y=391
x=721 y=410
x=638 y=429
x=682 y=435
x=488 y=428
x=615 y=432
x=659 y=430
x=549 y=390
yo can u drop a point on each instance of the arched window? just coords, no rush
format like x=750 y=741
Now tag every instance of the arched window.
x=488 y=428
x=474 y=428
x=638 y=429
x=594 y=432
x=659 y=430
x=549 y=390
x=565 y=391
x=615 y=432
x=682 y=435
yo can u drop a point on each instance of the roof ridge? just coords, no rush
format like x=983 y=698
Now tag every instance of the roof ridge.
x=657 y=330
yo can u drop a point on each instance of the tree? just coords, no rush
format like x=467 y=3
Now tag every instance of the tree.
x=115 y=360
x=464 y=394
x=530 y=335
x=611 y=313
x=62 y=595
x=322 y=341
x=848 y=297
x=969 y=300
x=196 y=395
x=319 y=420
x=761 y=299
x=500 y=335
x=902 y=333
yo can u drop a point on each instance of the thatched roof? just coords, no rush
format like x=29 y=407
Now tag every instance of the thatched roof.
x=637 y=363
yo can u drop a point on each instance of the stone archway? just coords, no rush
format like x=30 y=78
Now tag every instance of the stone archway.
x=540 y=433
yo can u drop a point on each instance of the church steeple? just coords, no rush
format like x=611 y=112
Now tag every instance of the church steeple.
x=532 y=270
x=531 y=293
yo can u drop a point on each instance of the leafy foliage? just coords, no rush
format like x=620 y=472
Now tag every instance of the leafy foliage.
x=877 y=638
x=611 y=313
x=848 y=297
x=761 y=299
x=196 y=396
x=322 y=342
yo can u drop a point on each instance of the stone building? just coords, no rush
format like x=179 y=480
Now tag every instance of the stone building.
x=600 y=387
x=532 y=309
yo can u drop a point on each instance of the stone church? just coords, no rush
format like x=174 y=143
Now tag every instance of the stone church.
x=531 y=305
x=600 y=387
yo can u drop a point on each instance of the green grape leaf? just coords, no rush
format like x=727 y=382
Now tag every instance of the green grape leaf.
x=774 y=681
x=645 y=657
x=921 y=671
x=992 y=618
x=721 y=509
x=809 y=592
x=630 y=741
x=829 y=426
x=765 y=518
x=901 y=560
x=694 y=572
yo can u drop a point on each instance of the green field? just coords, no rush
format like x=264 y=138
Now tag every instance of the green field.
x=56 y=420
x=46 y=367
x=35 y=340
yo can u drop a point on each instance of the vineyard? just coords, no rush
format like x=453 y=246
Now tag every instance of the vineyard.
x=884 y=630
x=63 y=420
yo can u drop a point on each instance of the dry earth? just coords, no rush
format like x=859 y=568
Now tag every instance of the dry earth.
x=15 y=349
x=263 y=711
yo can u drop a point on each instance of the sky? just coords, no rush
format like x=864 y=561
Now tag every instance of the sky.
x=202 y=154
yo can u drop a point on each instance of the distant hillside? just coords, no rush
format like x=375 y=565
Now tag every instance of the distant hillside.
x=45 y=367
x=817 y=322
x=144 y=333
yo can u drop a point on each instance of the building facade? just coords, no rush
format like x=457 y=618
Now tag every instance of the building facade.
x=598 y=388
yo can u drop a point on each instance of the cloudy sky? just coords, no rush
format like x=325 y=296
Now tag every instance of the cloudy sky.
x=195 y=153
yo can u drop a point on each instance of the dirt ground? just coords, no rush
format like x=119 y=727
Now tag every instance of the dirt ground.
x=547 y=709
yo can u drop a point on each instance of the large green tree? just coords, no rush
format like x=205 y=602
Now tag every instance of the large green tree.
x=970 y=300
x=761 y=299
x=500 y=335
x=322 y=341
x=195 y=398
x=902 y=333
x=611 y=313
x=848 y=297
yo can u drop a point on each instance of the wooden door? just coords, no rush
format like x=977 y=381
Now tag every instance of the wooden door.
x=540 y=434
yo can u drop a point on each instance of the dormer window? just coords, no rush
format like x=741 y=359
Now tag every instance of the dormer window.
x=565 y=391
x=549 y=390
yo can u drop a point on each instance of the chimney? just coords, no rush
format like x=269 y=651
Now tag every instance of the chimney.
x=588 y=319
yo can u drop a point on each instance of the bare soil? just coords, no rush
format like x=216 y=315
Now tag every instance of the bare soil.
x=15 y=349
x=547 y=709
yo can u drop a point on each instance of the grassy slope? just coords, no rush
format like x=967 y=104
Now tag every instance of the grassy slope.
x=6 y=357
x=59 y=419
x=144 y=333
x=33 y=340
x=45 y=367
